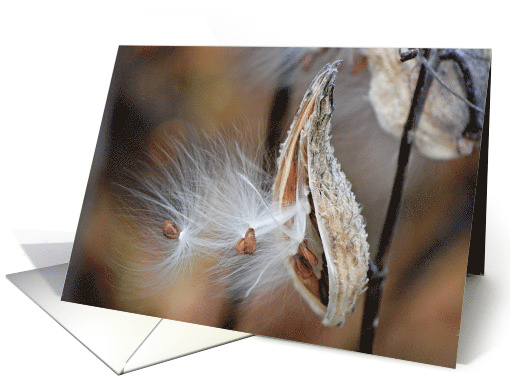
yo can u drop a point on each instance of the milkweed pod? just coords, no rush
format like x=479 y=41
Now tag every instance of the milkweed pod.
x=334 y=233
x=438 y=134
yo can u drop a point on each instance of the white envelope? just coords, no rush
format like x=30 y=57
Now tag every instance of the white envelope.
x=123 y=341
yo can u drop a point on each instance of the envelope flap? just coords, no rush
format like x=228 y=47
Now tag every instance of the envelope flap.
x=185 y=339
x=112 y=336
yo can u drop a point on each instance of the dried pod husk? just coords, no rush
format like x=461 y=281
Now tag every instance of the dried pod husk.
x=329 y=268
x=444 y=117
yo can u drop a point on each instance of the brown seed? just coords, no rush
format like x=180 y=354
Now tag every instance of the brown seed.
x=248 y=244
x=307 y=254
x=170 y=230
x=302 y=266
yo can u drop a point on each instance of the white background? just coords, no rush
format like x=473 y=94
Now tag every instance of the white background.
x=56 y=61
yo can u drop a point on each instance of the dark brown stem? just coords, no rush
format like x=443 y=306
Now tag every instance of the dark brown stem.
x=377 y=273
x=473 y=130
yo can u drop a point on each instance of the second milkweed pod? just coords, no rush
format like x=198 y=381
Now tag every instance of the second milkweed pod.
x=439 y=132
x=309 y=175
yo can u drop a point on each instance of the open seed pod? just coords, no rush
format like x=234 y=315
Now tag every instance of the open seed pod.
x=330 y=267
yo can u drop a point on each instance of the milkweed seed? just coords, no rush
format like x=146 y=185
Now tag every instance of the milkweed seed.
x=170 y=230
x=302 y=266
x=248 y=244
x=307 y=254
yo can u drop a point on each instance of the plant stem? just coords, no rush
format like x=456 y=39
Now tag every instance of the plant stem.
x=473 y=130
x=377 y=272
